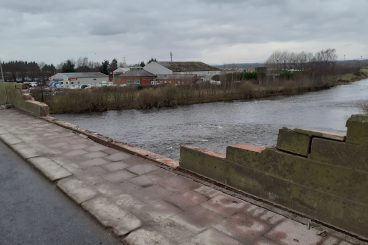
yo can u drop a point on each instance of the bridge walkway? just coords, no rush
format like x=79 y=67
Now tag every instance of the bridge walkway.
x=143 y=202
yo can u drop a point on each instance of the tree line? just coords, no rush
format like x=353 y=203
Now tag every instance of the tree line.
x=322 y=61
x=24 y=71
x=84 y=65
x=293 y=66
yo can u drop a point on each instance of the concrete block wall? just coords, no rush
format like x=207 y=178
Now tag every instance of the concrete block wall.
x=319 y=174
x=11 y=93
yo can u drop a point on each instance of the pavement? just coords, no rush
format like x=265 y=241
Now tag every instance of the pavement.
x=143 y=202
x=35 y=212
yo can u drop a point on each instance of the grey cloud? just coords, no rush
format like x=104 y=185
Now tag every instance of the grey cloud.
x=146 y=28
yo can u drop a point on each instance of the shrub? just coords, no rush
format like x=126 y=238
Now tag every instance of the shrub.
x=365 y=108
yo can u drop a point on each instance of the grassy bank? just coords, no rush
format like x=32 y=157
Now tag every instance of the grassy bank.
x=95 y=100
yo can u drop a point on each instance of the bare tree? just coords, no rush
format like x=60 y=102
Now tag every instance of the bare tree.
x=284 y=60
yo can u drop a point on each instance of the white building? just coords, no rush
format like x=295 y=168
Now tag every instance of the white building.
x=121 y=70
x=200 y=69
x=76 y=80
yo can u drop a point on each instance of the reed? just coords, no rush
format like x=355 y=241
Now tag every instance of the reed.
x=115 y=98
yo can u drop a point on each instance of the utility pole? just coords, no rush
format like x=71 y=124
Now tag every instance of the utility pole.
x=171 y=56
x=361 y=61
x=2 y=73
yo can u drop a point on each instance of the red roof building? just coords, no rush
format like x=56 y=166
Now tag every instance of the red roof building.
x=136 y=77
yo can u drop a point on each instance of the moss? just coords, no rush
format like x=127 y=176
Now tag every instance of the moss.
x=202 y=163
x=339 y=153
x=357 y=129
x=294 y=142
x=11 y=93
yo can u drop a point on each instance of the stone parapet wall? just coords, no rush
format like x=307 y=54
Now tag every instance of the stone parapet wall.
x=322 y=175
x=12 y=93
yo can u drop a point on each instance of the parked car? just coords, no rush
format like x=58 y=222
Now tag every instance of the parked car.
x=31 y=84
x=86 y=86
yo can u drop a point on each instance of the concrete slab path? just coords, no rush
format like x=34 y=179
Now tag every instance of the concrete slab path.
x=143 y=202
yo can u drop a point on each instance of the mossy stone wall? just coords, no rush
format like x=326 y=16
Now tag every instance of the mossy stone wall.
x=11 y=93
x=319 y=174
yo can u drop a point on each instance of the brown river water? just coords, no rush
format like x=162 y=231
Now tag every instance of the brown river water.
x=217 y=125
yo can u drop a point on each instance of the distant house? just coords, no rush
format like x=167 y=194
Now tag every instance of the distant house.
x=76 y=80
x=136 y=77
x=175 y=79
x=118 y=72
x=200 y=69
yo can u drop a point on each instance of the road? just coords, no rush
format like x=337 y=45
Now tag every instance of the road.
x=34 y=211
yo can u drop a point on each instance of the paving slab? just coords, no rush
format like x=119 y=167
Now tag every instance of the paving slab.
x=207 y=191
x=330 y=241
x=173 y=231
x=140 y=169
x=271 y=217
x=116 y=166
x=118 y=156
x=95 y=154
x=291 y=232
x=96 y=170
x=76 y=189
x=213 y=237
x=10 y=139
x=109 y=189
x=243 y=227
x=25 y=150
x=112 y=216
x=153 y=192
x=159 y=210
x=93 y=162
x=128 y=201
x=75 y=152
x=146 y=237
x=3 y=131
x=49 y=168
x=96 y=147
x=144 y=180
x=187 y=199
x=119 y=176
x=197 y=218
x=224 y=205
x=181 y=184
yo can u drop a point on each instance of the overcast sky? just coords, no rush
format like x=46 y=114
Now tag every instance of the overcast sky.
x=213 y=31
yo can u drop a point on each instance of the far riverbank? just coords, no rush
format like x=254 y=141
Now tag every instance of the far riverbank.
x=104 y=99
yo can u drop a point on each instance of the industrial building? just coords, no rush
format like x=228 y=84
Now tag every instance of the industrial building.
x=201 y=70
x=76 y=80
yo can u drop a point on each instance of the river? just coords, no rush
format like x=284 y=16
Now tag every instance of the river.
x=217 y=125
